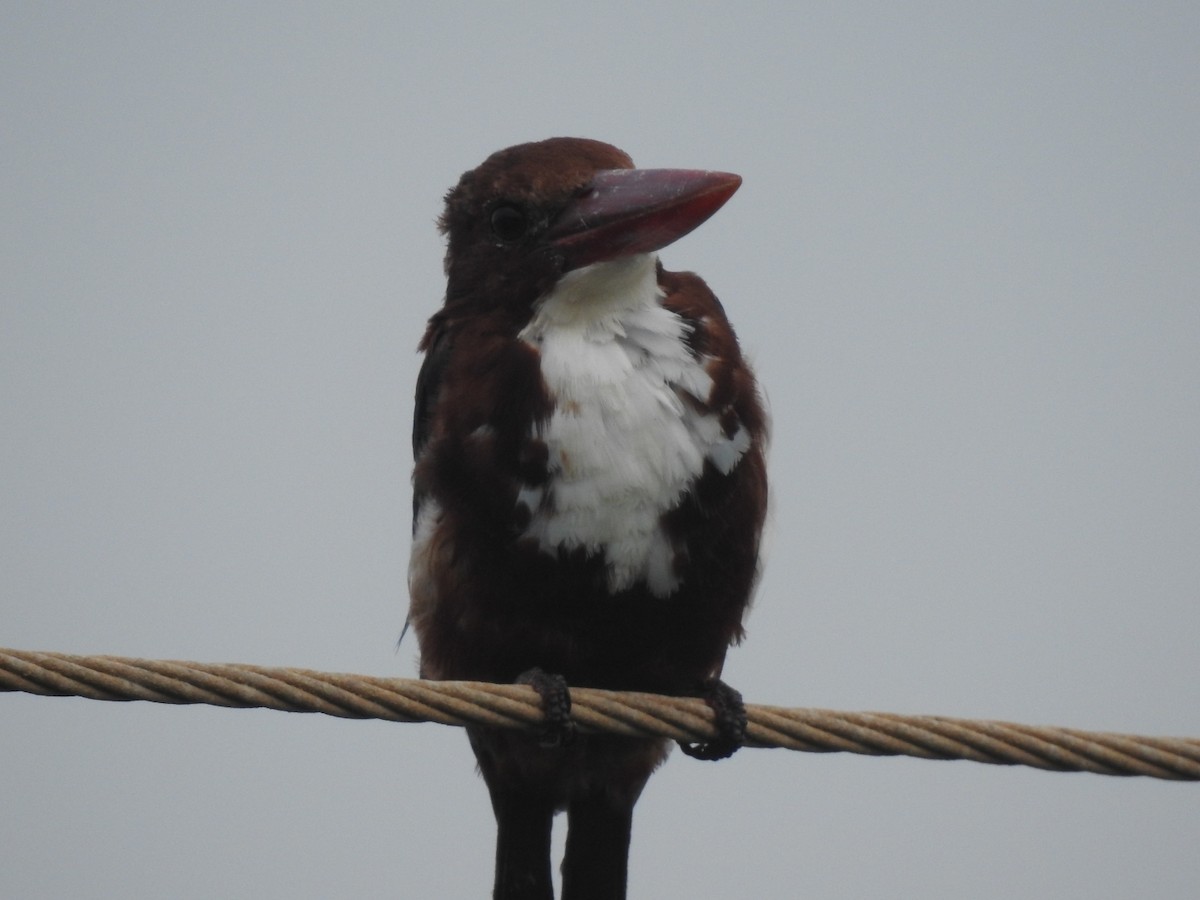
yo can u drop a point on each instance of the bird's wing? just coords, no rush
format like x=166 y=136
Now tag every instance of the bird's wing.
x=437 y=345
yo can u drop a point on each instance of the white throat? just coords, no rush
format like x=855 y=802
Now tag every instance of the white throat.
x=624 y=443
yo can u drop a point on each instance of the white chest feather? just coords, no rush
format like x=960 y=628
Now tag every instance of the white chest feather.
x=624 y=444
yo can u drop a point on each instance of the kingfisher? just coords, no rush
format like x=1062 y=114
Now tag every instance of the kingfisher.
x=589 y=485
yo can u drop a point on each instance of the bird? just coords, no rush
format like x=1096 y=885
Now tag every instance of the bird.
x=589 y=486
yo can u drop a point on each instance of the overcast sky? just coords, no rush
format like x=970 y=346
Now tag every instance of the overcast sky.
x=964 y=260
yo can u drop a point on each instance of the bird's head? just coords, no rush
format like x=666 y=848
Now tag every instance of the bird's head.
x=534 y=212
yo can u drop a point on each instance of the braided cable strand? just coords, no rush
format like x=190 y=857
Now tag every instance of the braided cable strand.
x=634 y=714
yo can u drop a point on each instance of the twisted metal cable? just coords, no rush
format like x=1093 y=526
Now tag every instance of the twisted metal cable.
x=634 y=714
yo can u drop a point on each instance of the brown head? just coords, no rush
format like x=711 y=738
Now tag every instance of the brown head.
x=533 y=212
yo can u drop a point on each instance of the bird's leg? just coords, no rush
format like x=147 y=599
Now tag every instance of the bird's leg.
x=523 y=824
x=558 y=728
x=595 y=865
x=524 y=809
x=729 y=718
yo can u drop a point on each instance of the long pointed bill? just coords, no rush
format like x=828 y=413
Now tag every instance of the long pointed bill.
x=628 y=211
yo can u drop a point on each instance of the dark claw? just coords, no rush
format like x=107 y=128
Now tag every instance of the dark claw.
x=729 y=718
x=558 y=729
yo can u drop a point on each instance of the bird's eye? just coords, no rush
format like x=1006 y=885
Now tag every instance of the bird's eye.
x=508 y=223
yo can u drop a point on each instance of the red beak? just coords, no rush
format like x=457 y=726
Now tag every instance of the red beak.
x=628 y=211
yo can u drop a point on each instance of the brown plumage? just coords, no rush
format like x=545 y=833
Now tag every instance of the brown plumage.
x=529 y=470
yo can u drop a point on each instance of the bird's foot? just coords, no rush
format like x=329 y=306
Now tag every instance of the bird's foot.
x=729 y=718
x=558 y=728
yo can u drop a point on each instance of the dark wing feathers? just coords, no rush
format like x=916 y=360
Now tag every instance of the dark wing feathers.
x=437 y=345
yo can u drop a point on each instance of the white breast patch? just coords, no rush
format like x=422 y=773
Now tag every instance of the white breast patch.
x=623 y=443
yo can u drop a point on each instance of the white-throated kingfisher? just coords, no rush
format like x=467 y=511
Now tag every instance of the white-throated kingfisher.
x=590 y=484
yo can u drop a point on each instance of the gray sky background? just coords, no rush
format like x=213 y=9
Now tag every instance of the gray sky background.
x=964 y=259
